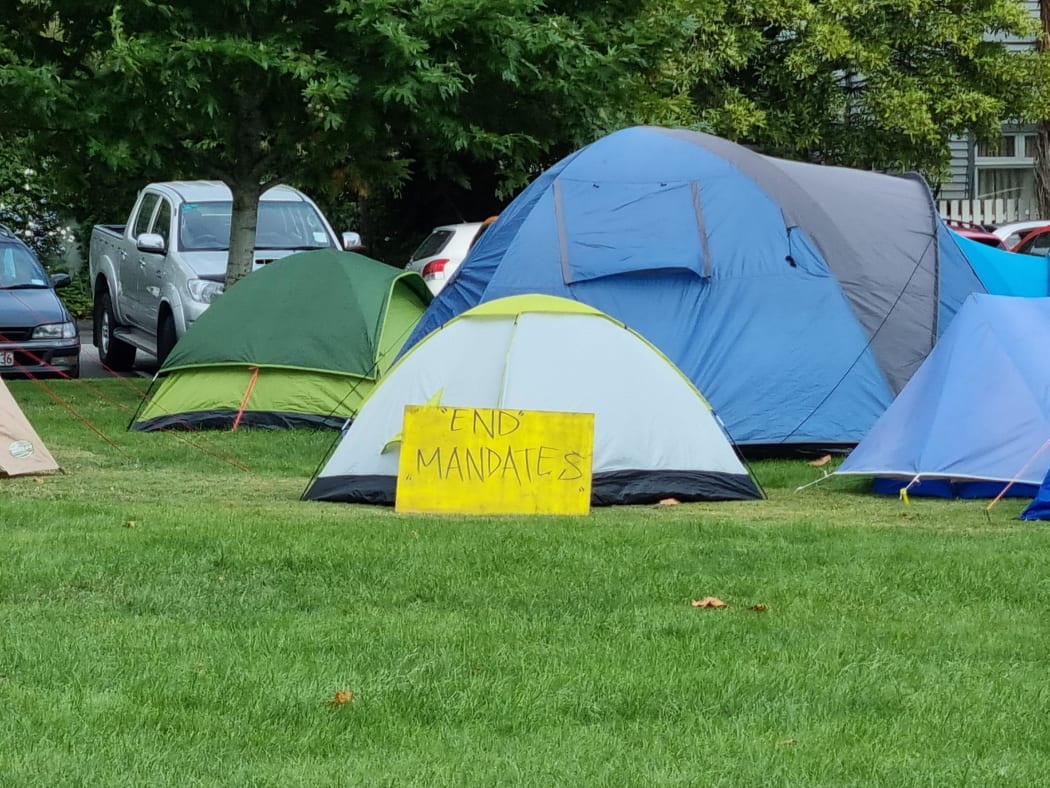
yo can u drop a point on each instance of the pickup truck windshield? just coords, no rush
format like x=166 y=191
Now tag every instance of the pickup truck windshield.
x=205 y=226
x=19 y=270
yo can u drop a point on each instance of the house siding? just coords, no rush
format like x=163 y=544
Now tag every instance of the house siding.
x=961 y=181
x=958 y=185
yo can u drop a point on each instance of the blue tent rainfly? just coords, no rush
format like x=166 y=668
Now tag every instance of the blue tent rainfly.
x=1007 y=273
x=799 y=298
x=975 y=418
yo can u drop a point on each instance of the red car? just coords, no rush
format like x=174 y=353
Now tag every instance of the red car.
x=978 y=234
x=1036 y=243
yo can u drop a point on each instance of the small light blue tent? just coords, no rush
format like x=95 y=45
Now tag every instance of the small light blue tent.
x=976 y=416
x=1007 y=273
x=799 y=298
x=1039 y=508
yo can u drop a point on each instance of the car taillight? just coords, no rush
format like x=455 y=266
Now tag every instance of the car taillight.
x=434 y=267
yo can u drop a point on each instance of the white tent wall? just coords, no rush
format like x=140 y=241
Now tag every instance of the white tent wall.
x=649 y=419
x=638 y=402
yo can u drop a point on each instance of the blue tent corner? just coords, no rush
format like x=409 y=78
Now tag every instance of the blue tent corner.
x=1006 y=273
x=1039 y=508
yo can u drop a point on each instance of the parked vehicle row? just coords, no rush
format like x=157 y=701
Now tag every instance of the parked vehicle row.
x=155 y=275
x=1027 y=237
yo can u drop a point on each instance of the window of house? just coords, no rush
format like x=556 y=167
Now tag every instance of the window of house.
x=1005 y=183
x=1005 y=167
x=1006 y=145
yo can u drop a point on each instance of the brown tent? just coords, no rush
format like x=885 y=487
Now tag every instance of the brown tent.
x=21 y=450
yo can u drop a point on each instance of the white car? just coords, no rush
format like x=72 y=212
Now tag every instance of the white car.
x=1013 y=232
x=441 y=252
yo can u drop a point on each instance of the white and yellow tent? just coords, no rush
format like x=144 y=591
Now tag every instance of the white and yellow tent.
x=21 y=450
x=655 y=436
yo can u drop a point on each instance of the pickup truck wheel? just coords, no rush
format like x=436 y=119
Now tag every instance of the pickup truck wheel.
x=166 y=338
x=112 y=352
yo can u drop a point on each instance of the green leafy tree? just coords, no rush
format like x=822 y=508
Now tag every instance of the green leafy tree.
x=408 y=103
x=586 y=70
x=29 y=205
x=35 y=211
x=879 y=84
x=867 y=83
x=341 y=97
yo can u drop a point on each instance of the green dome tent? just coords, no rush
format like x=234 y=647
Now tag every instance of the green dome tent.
x=299 y=343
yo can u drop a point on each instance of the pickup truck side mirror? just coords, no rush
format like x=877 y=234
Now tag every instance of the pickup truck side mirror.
x=60 y=280
x=150 y=243
x=352 y=242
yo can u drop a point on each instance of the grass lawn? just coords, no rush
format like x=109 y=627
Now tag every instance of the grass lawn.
x=172 y=614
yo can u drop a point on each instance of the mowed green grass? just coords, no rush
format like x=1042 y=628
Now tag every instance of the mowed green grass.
x=170 y=618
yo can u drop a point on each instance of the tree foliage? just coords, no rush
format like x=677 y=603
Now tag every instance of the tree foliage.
x=881 y=84
x=405 y=105
x=868 y=83
x=29 y=206
x=339 y=97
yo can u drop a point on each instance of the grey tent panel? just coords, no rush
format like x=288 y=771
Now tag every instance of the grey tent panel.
x=855 y=219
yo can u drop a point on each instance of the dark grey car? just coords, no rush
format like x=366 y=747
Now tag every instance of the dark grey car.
x=38 y=336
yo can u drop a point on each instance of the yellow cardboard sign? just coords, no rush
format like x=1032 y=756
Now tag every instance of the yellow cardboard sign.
x=494 y=461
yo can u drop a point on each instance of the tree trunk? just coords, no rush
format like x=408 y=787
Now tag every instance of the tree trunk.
x=1042 y=140
x=249 y=162
x=242 y=230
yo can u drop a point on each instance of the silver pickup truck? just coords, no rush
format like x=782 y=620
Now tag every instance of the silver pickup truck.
x=154 y=276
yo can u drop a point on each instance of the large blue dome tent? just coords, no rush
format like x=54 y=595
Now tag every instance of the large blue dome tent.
x=800 y=298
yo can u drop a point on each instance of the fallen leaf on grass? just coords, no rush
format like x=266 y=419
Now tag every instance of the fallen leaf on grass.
x=341 y=697
x=131 y=524
x=709 y=601
x=820 y=461
x=38 y=480
x=669 y=502
x=758 y=608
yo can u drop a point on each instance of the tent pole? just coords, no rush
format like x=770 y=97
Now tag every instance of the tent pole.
x=1017 y=476
x=247 y=395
